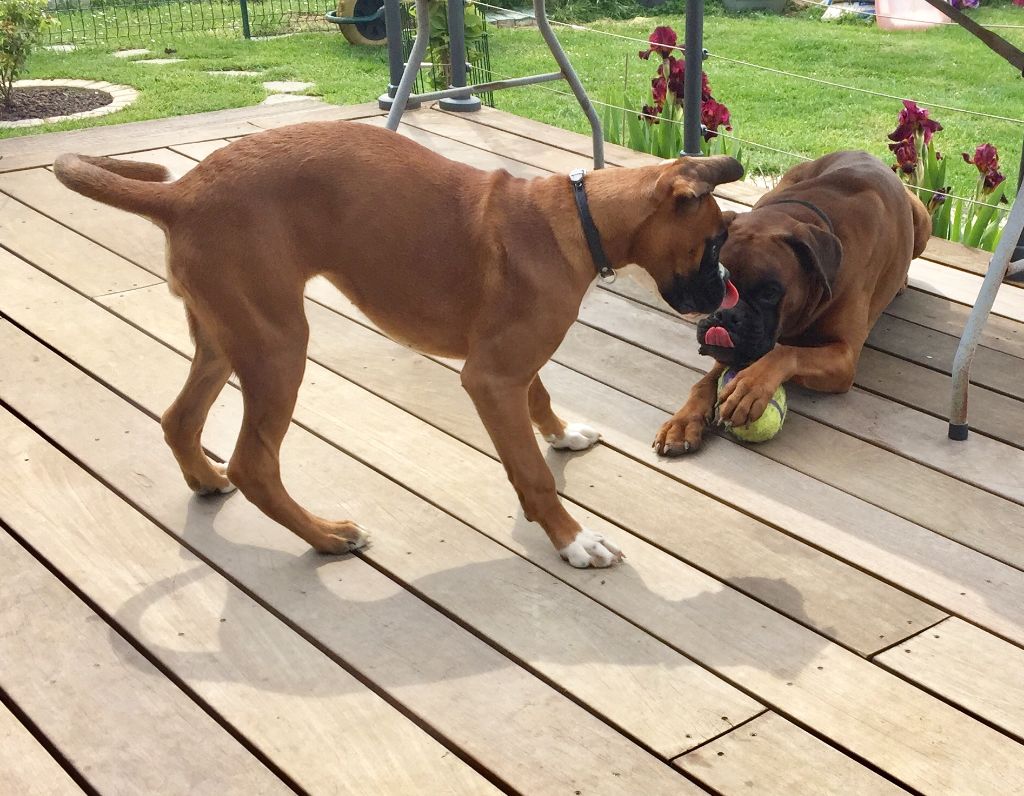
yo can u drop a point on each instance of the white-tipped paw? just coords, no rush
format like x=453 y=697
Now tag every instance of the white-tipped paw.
x=221 y=486
x=591 y=549
x=575 y=437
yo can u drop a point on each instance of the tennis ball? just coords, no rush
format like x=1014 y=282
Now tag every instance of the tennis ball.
x=768 y=424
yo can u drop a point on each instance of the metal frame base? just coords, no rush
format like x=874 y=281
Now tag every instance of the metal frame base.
x=455 y=97
x=460 y=104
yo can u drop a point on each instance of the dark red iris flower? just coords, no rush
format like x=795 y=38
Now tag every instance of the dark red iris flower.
x=650 y=114
x=912 y=120
x=1018 y=2
x=986 y=160
x=964 y=3
x=713 y=114
x=663 y=42
x=906 y=155
x=676 y=69
x=659 y=89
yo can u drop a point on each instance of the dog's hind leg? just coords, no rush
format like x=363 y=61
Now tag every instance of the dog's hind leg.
x=270 y=365
x=562 y=436
x=184 y=420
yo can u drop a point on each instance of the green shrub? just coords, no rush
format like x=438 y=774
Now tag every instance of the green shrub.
x=21 y=25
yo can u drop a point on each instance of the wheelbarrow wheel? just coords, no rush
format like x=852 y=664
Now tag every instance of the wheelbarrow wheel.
x=373 y=33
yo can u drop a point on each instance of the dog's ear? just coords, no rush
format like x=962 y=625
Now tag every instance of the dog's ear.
x=728 y=216
x=689 y=179
x=819 y=253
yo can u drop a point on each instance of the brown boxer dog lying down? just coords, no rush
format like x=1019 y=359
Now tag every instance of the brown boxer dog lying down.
x=815 y=262
x=443 y=257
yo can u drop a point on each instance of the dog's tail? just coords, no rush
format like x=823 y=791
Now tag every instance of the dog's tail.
x=922 y=224
x=126 y=184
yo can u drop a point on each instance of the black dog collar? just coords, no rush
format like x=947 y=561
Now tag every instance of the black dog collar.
x=812 y=207
x=604 y=268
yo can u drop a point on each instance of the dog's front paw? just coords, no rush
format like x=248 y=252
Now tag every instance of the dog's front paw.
x=682 y=433
x=591 y=549
x=575 y=437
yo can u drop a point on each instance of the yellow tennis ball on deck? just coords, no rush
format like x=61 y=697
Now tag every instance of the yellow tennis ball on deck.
x=768 y=424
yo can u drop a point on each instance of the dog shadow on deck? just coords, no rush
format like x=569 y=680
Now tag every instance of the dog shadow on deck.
x=392 y=633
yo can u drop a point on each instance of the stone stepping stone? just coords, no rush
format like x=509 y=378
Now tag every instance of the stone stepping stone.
x=286 y=86
x=159 y=61
x=130 y=53
x=60 y=48
x=278 y=99
x=234 y=72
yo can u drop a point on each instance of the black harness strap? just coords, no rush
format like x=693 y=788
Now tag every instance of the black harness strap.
x=604 y=268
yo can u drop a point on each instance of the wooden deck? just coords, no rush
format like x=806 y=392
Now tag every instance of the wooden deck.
x=840 y=611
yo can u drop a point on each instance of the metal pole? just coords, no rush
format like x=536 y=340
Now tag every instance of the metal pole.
x=541 y=15
x=1018 y=252
x=396 y=64
x=693 y=44
x=419 y=49
x=244 y=5
x=997 y=268
x=457 y=57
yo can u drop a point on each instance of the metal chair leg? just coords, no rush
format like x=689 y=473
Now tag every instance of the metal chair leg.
x=412 y=68
x=541 y=14
x=998 y=267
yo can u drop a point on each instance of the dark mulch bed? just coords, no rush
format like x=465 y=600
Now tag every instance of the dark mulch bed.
x=41 y=102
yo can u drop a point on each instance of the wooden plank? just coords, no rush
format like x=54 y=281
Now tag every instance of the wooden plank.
x=200 y=149
x=297 y=114
x=648 y=707
x=655 y=569
x=133 y=237
x=963 y=287
x=848 y=698
x=549 y=135
x=919 y=344
x=117 y=719
x=486 y=704
x=176 y=163
x=490 y=139
x=969 y=667
x=950 y=317
x=26 y=768
x=812 y=588
x=464 y=153
x=771 y=756
x=346 y=740
x=64 y=254
x=994 y=414
x=952 y=507
x=40 y=150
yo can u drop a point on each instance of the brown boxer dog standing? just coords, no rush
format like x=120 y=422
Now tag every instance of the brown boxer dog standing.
x=816 y=261
x=443 y=257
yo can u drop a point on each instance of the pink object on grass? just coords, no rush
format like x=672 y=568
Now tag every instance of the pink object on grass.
x=907 y=14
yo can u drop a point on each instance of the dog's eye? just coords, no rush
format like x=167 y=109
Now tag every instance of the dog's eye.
x=770 y=293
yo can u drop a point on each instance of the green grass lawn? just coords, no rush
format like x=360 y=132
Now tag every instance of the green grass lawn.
x=941 y=65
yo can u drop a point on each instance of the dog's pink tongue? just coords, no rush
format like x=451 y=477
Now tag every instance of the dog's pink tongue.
x=718 y=336
x=732 y=296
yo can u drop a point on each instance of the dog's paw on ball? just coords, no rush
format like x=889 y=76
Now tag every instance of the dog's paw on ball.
x=591 y=549
x=575 y=437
